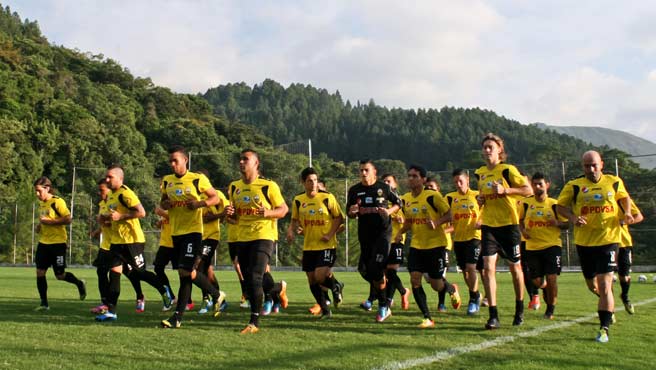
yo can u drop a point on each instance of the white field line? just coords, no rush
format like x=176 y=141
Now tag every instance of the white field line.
x=452 y=352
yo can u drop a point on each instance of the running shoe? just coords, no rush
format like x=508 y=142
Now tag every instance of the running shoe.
x=167 y=301
x=535 y=303
x=366 y=305
x=284 y=301
x=266 y=308
x=548 y=316
x=102 y=308
x=492 y=323
x=206 y=306
x=42 y=308
x=276 y=308
x=249 y=329
x=485 y=303
x=518 y=319
x=426 y=323
x=441 y=307
x=172 y=322
x=472 y=308
x=455 y=297
x=107 y=316
x=224 y=306
x=315 y=310
x=218 y=302
x=82 y=289
x=244 y=303
x=602 y=335
x=141 y=305
x=326 y=315
x=405 y=299
x=190 y=306
x=628 y=306
x=383 y=314
x=337 y=294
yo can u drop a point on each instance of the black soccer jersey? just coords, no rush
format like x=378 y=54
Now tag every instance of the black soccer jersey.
x=370 y=199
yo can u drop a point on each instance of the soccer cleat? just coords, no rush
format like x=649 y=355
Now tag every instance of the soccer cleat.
x=455 y=297
x=628 y=306
x=383 y=314
x=315 y=310
x=206 y=306
x=141 y=305
x=534 y=304
x=492 y=323
x=366 y=305
x=426 y=323
x=405 y=299
x=548 y=316
x=266 y=308
x=441 y=307
x=244 y=303
x=100 y=309
x=518 y=319
x=107 y=316
x=218 y=302
x=472 y=308
x=167 y=301
x=172 y=322
x=602 y=335
x=249 y=329
x=82 y=289
x=224 y=306
x=276 y=308
x=337 y=294
x=284 y=301
x=42 y=308
x=326 y=315
x=190 y=306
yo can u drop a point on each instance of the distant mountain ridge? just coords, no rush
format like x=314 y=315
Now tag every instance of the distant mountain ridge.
x=616 y=139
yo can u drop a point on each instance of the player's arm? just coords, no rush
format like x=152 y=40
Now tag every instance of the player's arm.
x=137 y=211
x=404 y=229
x=568 y=214
x=335 y=224
x=625 y=203
x=294 y=225
x=66 y=219
x=211 y=200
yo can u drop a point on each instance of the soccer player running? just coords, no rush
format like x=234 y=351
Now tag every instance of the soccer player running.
x=320 y=216
x=124 y=210
x=372 y=202
x=625 y=256
x=431 y=183
x=591 y=202
x=257 y=204
x=426 y=211
x=51 y=250
x=166 y=253
x=181 y=196
x=540 y=226
x=499 y=184
x=466 y=234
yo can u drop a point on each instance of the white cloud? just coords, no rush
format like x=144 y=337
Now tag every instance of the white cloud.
x=582 y=63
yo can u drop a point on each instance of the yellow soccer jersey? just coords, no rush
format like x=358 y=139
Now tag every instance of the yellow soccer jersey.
x=315 y=216
x=428 y=204
x=123 y=200
x=247 y=198
x=53 y=208
x=178 y=190
x=499 y=210
x=539 y=223
x=105 y=230
x=165 y=239
x=212 y=229
x=397 y=223
x=465 y=213
x=626 y=239
x=598 y=204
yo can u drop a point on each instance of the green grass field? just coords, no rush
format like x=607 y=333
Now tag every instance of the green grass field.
x=67 y=337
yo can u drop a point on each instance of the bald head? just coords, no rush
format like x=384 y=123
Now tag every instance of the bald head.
x=592 y=165
x=114 y=177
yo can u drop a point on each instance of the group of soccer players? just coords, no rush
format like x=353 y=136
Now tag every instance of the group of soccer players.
x=510 y=216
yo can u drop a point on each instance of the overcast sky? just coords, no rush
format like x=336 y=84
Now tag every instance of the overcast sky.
x=583 y=63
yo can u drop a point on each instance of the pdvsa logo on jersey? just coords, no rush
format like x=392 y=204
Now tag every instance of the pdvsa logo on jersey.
x=380 y=192
x=585 y=189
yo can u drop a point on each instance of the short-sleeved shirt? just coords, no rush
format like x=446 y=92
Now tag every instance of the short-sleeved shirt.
x=105 y=230
x=369 y=198
x=165 y=239
x=212 y=229
x=397 y=223
x=247 y=199
x=465 y=213
x=539 y=223
x=315 y=215
x=597 y=202
x=52 y=209
x=499 y=210
x=124 y=200
x=626 y=239
x=417 y=210
x=178 y=190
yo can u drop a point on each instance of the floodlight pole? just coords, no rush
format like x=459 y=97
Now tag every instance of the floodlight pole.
x=310 y=152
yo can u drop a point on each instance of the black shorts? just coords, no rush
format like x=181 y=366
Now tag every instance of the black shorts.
x=233 y=250
x=597 y=260
x=51 y=255
x=322 y=258
x=373 y=258
x=165 y=255
x=543 y=262
x=190 y=247
x=624 y=261
x=104 y=259
x=467 y=253
x=209 y=248
x=395 y=256
x=428 y=261
x=503 y=240
x=128 y=254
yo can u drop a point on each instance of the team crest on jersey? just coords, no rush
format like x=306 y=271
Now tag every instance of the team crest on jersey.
x=585 y=189
x=188 y=191
x=610 y=195
x=320 y=211
x=247 y=198
x=424 y=209
x=380 y=192
x=597 y=197
x=256 y=198
x=368 y=200
x=178 y=192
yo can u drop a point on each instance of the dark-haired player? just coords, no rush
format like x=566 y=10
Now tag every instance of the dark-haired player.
x=51 y=250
